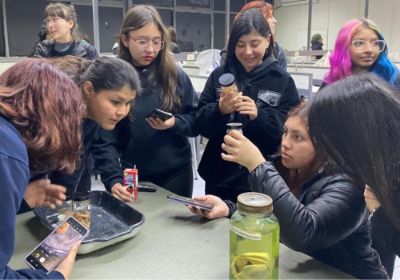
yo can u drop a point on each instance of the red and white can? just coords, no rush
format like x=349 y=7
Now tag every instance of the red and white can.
x=131 y=181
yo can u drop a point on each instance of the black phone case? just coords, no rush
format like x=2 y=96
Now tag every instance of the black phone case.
x=189 y=201
x=158 y=113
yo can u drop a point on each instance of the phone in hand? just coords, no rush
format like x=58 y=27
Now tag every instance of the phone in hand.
x=56 y=246
x=158 y=113
x=189 y=202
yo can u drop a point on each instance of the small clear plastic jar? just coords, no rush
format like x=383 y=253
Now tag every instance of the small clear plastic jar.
x=254 y=239
x=81 y=208
x=228 y=84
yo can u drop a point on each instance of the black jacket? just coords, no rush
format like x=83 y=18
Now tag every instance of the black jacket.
x=89 y=133
x=71 y=181
x=78 y=48
x=155 y=152
x=328 y=221
x=275 y=94
x=385 y=239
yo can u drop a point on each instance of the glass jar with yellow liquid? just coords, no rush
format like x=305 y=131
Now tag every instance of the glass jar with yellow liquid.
x=254 y=239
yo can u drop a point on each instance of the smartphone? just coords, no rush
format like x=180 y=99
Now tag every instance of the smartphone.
x=189 y=202
x=56 y=246
x=158 y=113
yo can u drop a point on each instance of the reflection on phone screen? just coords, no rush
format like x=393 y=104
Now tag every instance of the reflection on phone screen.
x=56 y=246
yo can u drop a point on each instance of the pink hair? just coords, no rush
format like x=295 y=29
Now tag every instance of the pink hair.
x=340 y=60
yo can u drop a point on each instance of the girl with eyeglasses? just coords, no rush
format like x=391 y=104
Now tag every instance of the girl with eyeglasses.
x=361 y=47
x=159 y=148
x=65 y=39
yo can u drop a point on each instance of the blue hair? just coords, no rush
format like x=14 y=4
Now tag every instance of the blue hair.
x=383 y=67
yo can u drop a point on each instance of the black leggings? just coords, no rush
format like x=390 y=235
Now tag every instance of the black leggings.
x=179 y=182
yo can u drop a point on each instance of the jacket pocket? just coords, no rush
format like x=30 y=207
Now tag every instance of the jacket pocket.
x=269 y=98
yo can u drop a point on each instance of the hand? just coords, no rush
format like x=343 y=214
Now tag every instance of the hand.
x=370 y=200
x=241 y=150
x=41 y=193
x=227 y=103
x=220 y=209
x=247 y=106
x=66 y=265
x=159 y=124
x=120 y=192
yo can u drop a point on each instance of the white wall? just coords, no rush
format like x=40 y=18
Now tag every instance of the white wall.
x=385 y=13
x=330 y=15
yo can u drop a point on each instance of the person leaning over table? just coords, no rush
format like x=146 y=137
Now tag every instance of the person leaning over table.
x=40 y=117
x=159 y=149
x=108 y=87
x=268 y=93
x=321 y=212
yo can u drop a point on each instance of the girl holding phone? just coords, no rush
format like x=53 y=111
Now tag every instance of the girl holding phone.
x=159 y=148
x=321 y=211
x=40 y=116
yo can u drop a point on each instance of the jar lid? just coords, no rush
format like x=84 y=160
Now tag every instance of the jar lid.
x=254 y=202
x=234 y=125
x=226 y=79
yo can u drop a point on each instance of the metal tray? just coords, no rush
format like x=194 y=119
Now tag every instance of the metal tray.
x=111 y=221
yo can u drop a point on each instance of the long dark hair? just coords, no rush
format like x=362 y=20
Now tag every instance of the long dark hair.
x=248 y=21
x=109 y=73
x=105 y=73
x=356 y=123
x=47 y=109
x=165 y=72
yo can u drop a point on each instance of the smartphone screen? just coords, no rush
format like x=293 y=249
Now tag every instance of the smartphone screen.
x=56 y=246
x=190 y=202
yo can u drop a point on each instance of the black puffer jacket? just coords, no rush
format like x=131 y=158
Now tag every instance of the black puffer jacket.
x=77 y=48
x=328 y=221
x=275 y=94
x=385 y=239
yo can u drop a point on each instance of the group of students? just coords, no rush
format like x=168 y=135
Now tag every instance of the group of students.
x=317 y=183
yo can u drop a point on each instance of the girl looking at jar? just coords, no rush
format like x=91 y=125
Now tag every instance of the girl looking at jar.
x=160 y=149
x=108 y=88
x=54 y=109
x=65 y=39
x=268 y=93
x=321 y=213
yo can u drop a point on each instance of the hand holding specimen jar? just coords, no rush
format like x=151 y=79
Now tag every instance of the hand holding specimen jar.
x=229 y=95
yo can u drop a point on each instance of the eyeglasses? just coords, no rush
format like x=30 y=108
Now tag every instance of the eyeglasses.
x=143 y=44
x=361 y=45
x=53 y=20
